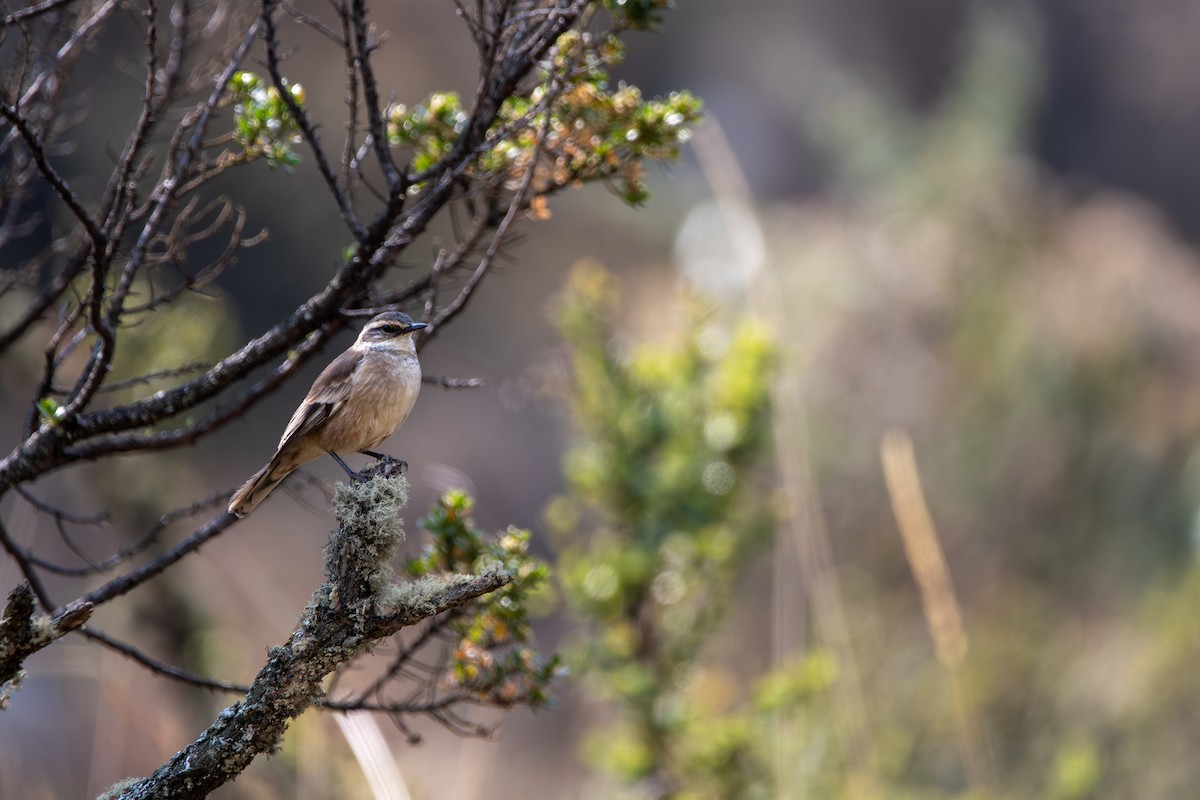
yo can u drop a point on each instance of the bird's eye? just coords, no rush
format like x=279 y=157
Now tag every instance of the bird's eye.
x=392 y=330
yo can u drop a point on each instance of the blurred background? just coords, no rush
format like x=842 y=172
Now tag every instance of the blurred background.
x=964 y=231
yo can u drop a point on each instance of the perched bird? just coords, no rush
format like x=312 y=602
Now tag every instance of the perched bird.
x=360 y=399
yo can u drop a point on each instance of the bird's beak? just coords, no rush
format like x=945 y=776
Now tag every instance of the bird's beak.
x=416 y=326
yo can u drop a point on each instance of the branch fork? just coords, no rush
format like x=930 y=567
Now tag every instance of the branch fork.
x=359 y=604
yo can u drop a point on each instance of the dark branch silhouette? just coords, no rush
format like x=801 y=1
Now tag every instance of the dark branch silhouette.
x=87 y=265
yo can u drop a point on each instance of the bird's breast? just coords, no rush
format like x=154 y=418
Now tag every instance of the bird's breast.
x=383 y=391
x=389 y=385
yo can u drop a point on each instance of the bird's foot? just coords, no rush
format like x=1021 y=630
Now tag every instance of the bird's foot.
x=388 y=465
x=351 y=474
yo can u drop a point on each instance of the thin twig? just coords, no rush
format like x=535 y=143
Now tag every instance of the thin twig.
x=402 y=658
x=516 y=205
x=149 y=377
x=159 y=667
x=35 y=10
x=304 y=123
x=52 y=177
x=452 y=383
x=396 y=183
x=147 y=538
x=27 y=568
x=136 y=577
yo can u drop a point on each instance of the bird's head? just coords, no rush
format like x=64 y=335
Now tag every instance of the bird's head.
x=390 y=330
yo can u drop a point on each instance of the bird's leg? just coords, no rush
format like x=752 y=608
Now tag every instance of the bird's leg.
x=384 y=457
x=354 y=476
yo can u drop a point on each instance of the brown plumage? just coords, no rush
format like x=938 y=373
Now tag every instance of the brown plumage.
x=356 y=403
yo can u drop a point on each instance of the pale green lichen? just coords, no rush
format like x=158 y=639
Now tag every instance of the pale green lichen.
x=491 y=566
x=369 y=517
x=44 y=630
x=10 y=687
x=119 y=788
x=369 y=514
x=40 y=632
x=374 y=507
x=417 y=595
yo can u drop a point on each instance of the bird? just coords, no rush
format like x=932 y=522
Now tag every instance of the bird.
x=357 y=402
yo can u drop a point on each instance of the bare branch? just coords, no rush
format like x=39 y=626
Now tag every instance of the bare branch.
x=33 y=142
x=516 y=205
x=405 y=657
x=453 y=383
x=147 y=538
x=61 y=520
x=397 y=185
x=160 y=667
x=306 y=127
x=35 y=10
x=193 y=431
x=149 y=377
x=136 y=577
x=27 y=568
x=21 y=634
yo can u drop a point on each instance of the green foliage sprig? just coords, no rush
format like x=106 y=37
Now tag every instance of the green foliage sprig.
x=495 y=659
x=592 y=132
x=637 y=14
x=263 y=124
x=668 y=439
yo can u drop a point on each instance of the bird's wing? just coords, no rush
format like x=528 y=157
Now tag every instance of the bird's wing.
x=329 y=391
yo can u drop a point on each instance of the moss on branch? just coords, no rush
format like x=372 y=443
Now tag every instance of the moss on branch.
x=359 y=604
x=23 y=633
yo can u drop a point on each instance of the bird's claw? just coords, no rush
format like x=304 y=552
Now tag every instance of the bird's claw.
x=389 y=466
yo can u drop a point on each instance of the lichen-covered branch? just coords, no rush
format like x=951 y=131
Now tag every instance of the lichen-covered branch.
x=22 y=633
x=360 y=603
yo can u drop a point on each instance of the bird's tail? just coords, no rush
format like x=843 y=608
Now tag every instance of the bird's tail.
x=261 y=483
